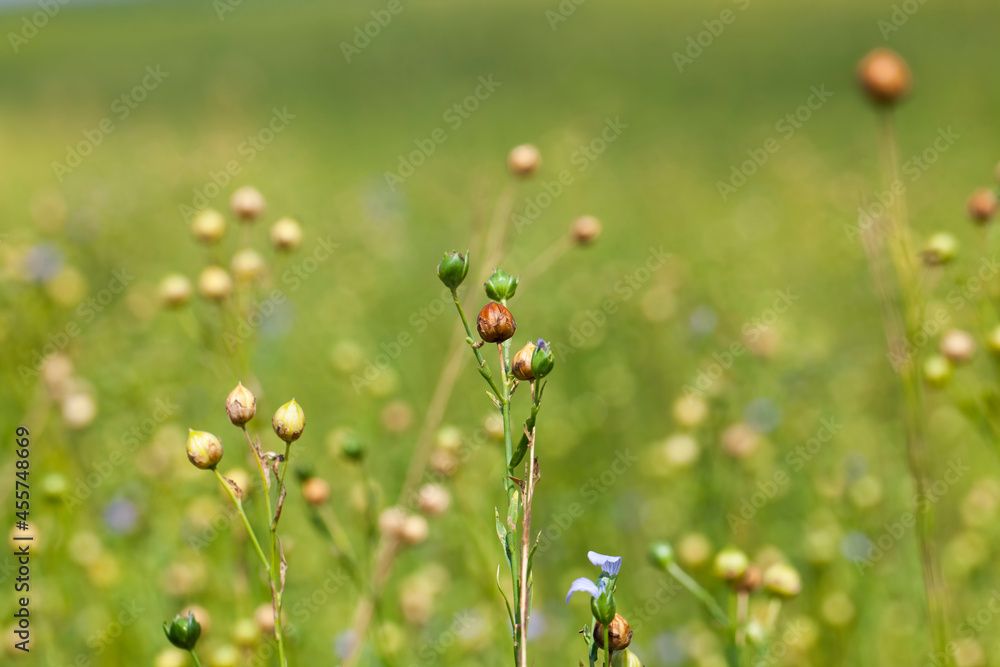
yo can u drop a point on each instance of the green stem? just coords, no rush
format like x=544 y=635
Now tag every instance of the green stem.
x=243 y=515
x=484 y=370
x=695 y=589
x=194 y=656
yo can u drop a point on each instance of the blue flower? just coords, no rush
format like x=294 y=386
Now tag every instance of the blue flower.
x=608 y=564
x=587 y=586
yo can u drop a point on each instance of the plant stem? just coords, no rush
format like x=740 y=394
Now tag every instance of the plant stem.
x=243 y=515
x=194 y=656
x=695 y=589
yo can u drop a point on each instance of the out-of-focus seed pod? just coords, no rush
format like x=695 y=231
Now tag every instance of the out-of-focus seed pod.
x=521 y=365
x=56 y=372
x=620 y=634
x=208 y=225
x=289 y=421
x=782 y=580
x=391 y=521
x=175 y=290
x=837 y=609
x=241 y=405
x=495 y=323
x=957 y=346
x=352 y=447
x=751 y=581
x=524 y=160
x=453 y=269
x=79 y=409
x=171 y=657
x=740 y=441
x=625 y=659
x=316 y=491
x=263 y=616
x=542 y=361
x=414 y=530
x=247 y=265
x=247 y=203
x=241 y=478
x=245 y=632
x=941 y=249
x=286 y=234
x=585 y=229
x=730 y=564
x=224 y=656
x=680 y=451
x=434 y=499
x=661 y=554
x=183 y=632
x=885 y=76
x=690 y=410
x=204 y=450
x=982 y=205
x=214 y=283
x=937 y=371
x=501 y=285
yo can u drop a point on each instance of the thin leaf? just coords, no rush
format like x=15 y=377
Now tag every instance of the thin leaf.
x=510 y=614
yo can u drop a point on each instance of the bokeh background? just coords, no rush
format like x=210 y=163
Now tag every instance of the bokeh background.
x=130 y=543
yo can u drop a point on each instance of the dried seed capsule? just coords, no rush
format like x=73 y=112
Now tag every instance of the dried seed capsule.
x=247 y=265
x=204 y=450
x=286 y=234
x=524 y=160
x=247 y=203
x=585 y=229
x=782 y=580
x=175 y=290
x=241 y=405
x=884 y=76
x=620 y=634
x=289 y=421
x=982 y=205
x=940 y=249
x=730 y=564
x=521 y=365
x=215 y=284
x=495 y=323
x=316 y=491
x=958 y=346
x=208 y=226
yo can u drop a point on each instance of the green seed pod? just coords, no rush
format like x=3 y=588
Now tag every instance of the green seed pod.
x=183 y=632
x=501 y=286
x=937 y=371
x=661 y=554
x=289 y=421
x=625 y=659
x=730 y=564
x=782 y=580
x=542 y=361
x=940 y=249
x=453 y=269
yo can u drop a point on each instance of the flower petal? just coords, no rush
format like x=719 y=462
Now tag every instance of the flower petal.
x=585 y=585
x=609 y=564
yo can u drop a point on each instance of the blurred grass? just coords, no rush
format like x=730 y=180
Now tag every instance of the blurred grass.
x=654 y=186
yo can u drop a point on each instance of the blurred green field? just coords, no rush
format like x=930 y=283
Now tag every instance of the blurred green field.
x=655 y=189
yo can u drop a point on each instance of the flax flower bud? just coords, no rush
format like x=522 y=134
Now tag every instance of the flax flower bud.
x=884 y=76
x=585 y=229
x=542 y=361
x=247 y=265
x=982 y=205
x=247 y=203
x=175 y=290
x=316 y=491
x=453 y=269
x=289 y=421
x=286 y=234
x=214 y=283
x=204 y=450
x=241 y=405
x=782 y=580
x=619 y=631
x=521 y=365
x=524 y=160
x=730 y=564
x=501 y=286
x=208 y=226
x=183 y=632
x=495 y=323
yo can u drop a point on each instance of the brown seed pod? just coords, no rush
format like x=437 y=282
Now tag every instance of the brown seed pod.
x=621 y=634
x=884 y=76
x=585 y=229
x=524 y=160
x=521 y=365
x=495 y=323
x=982 y=205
